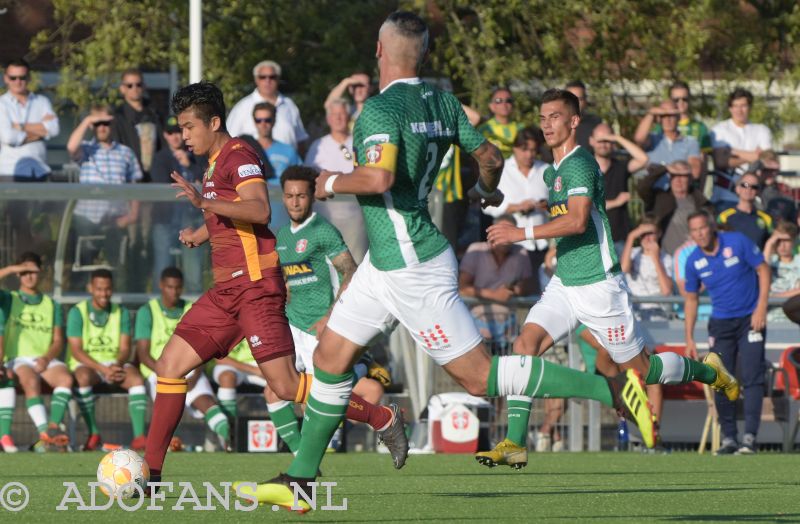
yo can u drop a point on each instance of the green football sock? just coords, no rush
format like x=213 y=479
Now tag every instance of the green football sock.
x=86 y=405
x=58 y=404
x=137 y=408
x=519 y=413
x=282 y=415
x=218 y=422
x=37 y=413
x=671 y=368
x=227 y=401
x=7 y=399
x=327 y=404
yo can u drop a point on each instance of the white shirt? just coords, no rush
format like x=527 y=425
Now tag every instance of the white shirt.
x=517 y=188
x=326 y=153
x=288 y=127
x=643 y=277
x=16 y=158
x=747 y=138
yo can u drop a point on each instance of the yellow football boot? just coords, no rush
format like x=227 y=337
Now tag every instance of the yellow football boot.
x=505 y=453
x=725 y=383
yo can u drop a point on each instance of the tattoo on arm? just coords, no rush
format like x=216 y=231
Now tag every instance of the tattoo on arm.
x=345 y=266
x=490 y=163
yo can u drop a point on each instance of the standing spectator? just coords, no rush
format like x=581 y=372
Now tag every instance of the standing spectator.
x=27 y=120
x=647 y=268
x=672 y=208
x=668 y=145
x=687 y=125
x=772 y=200
x=733 y=271
x=588 y=120
x=334 y=152
x=103 y=161
x=279 y=154
x=501 y=130
x=616 y=176
x=744 y=217
x=135 y=124
x=357 y=86
x=169 y=217
x=288 y=126
x=779 y=252
x=522 y=183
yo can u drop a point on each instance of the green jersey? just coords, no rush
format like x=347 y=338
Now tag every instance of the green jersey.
x=407 y=129
x=589 y=257
x=306 y=254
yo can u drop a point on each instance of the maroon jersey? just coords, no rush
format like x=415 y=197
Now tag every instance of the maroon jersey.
x=240 y=251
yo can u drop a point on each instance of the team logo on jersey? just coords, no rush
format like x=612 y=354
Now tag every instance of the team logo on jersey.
x=557 y=184
x=210 y=171
x=727 y=252
x=373 y=153
x=301 y=246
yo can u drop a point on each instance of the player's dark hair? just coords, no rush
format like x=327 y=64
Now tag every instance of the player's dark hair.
x=171 y=272
x=576 y=83
x=701 y=213
x=204 y=98
x=738 y=93
x=680 y=84
x=30 y=256
x=526 y=134
x=305 y=173
x=570 y=100
x=18 y=62
x=265 y=106
x=101 y=273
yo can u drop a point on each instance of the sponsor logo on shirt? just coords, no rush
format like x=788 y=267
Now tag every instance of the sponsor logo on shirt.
x=299 y=274
x=558 y=209
x=577 y=191
x=731 y=261
x=706 y=274
x=700 y=264
x=557 y=185
x=249 y=170
x=380 y=137
x=431 y=129
x=301 y=245
x=210 y=183
x=237 y=273
x=211 y=195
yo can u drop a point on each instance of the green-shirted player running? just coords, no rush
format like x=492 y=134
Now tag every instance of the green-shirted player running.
x=587 y=288
x=31 y=342
x=410 y=272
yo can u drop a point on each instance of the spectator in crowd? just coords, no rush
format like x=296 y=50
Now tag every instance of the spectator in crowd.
x=679 y=258
x=103 y=161
x=288 y=126
x=456 y=168
x=334 y=152
x=688 y=125
x=744 y=217
x=588 y=120
x=357 y=86
x=647 y=268
x=501 y=129
x=136 y=124
x=522 y=183
x=495 y=274
x=279 y=154
x=27 y=120
x=168 y=218
x=672 y=208
x=780 y=254
x=668 y=145
x=616 y=177
x=733 y=271
x=778 y=205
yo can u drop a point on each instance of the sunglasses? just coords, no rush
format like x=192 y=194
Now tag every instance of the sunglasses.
x=265 y=77
x=102 y=123
x=503 y=100
x=22 y=78
x=346 y=152
x=680 y=99
x=748 y=185
x=264 y=120
x=133 y=84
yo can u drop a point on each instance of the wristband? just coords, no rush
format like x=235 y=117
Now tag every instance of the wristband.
x=529 y=233
x=482 y=192
x=329 y=184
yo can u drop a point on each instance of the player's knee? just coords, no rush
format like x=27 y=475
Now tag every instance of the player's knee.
x=167 y=369
x=474 y=386
x=63 y=380
x=226 y=379
x=83 y=377
x=270 y=395
x=283 y=390
x=133 y=376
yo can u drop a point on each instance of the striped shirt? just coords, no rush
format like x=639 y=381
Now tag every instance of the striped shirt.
x=106 y=165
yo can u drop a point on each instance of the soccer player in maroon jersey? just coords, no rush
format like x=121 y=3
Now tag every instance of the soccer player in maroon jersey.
x=249 y=295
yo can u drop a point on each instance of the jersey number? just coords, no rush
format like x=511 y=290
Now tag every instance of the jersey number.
x=426 y=183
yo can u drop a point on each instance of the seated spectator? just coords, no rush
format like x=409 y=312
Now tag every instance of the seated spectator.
x=588 y=120
x=779 y=252
x=672 y=208
x=772 y=200
x=495 y=274
x=668 y=145
x=522 y=183
x=744 y=217
x=501 y=129
x=279 y=154
x=357 y=86
x=688 y=125
x=648 y=269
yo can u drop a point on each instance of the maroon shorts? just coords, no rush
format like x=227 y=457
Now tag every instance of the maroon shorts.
x=255 y=311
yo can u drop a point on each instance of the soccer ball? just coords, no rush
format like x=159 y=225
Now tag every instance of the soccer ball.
x=121 y=467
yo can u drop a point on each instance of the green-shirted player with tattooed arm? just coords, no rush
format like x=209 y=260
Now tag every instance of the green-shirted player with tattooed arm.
x=410 y=272
x=588 y=287
x=31 y=341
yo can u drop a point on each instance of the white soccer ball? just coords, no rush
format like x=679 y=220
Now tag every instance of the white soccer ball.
x=119 y=470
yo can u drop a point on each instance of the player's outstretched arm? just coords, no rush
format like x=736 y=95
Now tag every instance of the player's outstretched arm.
x=572 y=223
x=364 y=180
x=252 y=206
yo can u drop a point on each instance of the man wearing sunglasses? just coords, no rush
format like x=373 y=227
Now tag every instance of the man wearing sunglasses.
x=501 y=130
x=288 y=126
x=27 y=120
x=280 y=155
x=136 y=124
x=744 y=217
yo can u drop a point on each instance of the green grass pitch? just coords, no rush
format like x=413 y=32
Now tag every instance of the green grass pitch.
x=596 y=487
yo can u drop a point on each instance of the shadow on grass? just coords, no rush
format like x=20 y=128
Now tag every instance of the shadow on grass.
x=657 y=490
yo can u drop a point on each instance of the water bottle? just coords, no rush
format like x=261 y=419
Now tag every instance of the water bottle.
x=622 y=435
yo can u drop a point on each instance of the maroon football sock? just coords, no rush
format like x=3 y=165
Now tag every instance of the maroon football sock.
x=360 y=410
x=167 y=412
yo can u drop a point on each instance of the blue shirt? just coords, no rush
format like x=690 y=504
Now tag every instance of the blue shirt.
x=281 y=156
x=729 y=276
x=757 y=226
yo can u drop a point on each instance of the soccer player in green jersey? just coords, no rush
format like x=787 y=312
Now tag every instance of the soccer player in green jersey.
x=31 y=340
x=587 y=287
x=155 y=322
x=410 y=272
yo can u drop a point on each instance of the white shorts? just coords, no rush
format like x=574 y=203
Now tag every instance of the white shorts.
x=241 y=378
x=304 y=346
x=201 y=387
x=103 y=377
x=424 y=298
x=603 y=307
x=14 y=363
